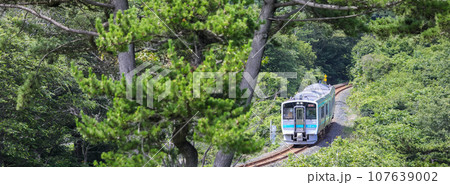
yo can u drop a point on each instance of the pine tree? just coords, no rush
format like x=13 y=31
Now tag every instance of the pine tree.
x=220 y=33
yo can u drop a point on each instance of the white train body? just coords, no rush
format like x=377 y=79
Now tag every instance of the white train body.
x=305 y=116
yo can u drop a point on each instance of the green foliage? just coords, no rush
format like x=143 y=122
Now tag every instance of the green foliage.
x=286 y=53
x=313 y=47
x=229 y=21
x=271 y=85
x=25 y=90
x=332 y=47
x=39 y=102
x=426 y=17
x=350 y=153
x=264 y=112
x=417 y=87
x=31 y=135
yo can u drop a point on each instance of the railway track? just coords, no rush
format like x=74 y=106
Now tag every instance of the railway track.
x=283 y=154
x=291 y=149
x=341 y=87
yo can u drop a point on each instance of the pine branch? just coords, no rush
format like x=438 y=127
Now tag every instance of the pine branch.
x=53 y=50
x=43 y=2
x=285 y=17
x=318 y=19
x=291 y=13
x=315 y=5
x=58 y=24
x=91 y=2
x=95 y=3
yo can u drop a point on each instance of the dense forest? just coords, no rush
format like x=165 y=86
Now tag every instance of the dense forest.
x=76 y=75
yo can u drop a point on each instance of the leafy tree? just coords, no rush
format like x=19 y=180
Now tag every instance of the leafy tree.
x=287 y=54
x=413 y=17
x=415 y=81
x=332 y=47
x=39 y=102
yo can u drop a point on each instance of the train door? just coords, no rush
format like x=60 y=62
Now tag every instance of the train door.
x=300 y=125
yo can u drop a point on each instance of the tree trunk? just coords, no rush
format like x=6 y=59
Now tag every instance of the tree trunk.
x=186 y=149
x=78 y=149
x=259 y=41
x=252 y=67
x=205 y=154
x=2 y=163
x=126 y=59
x=223 y=159
x=197 y=54
x=127 y=63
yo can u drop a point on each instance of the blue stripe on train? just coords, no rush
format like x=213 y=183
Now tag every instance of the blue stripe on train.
x=299 y=126
x=288 y=126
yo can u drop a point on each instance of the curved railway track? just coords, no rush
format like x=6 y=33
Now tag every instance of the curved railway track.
x=291 y=149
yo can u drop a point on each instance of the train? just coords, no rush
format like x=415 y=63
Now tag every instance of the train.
x=306 y=116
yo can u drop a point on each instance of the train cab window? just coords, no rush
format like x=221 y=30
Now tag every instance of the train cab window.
x=326 y=107
x=288 y=113
x=311 y=113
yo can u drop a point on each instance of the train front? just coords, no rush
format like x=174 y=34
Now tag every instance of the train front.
x=299 y=122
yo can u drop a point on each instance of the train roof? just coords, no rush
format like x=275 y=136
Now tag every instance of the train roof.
x=313 y=92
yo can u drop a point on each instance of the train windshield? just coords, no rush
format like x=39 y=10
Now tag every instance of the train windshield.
x=288 y=111
x=311 y=112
